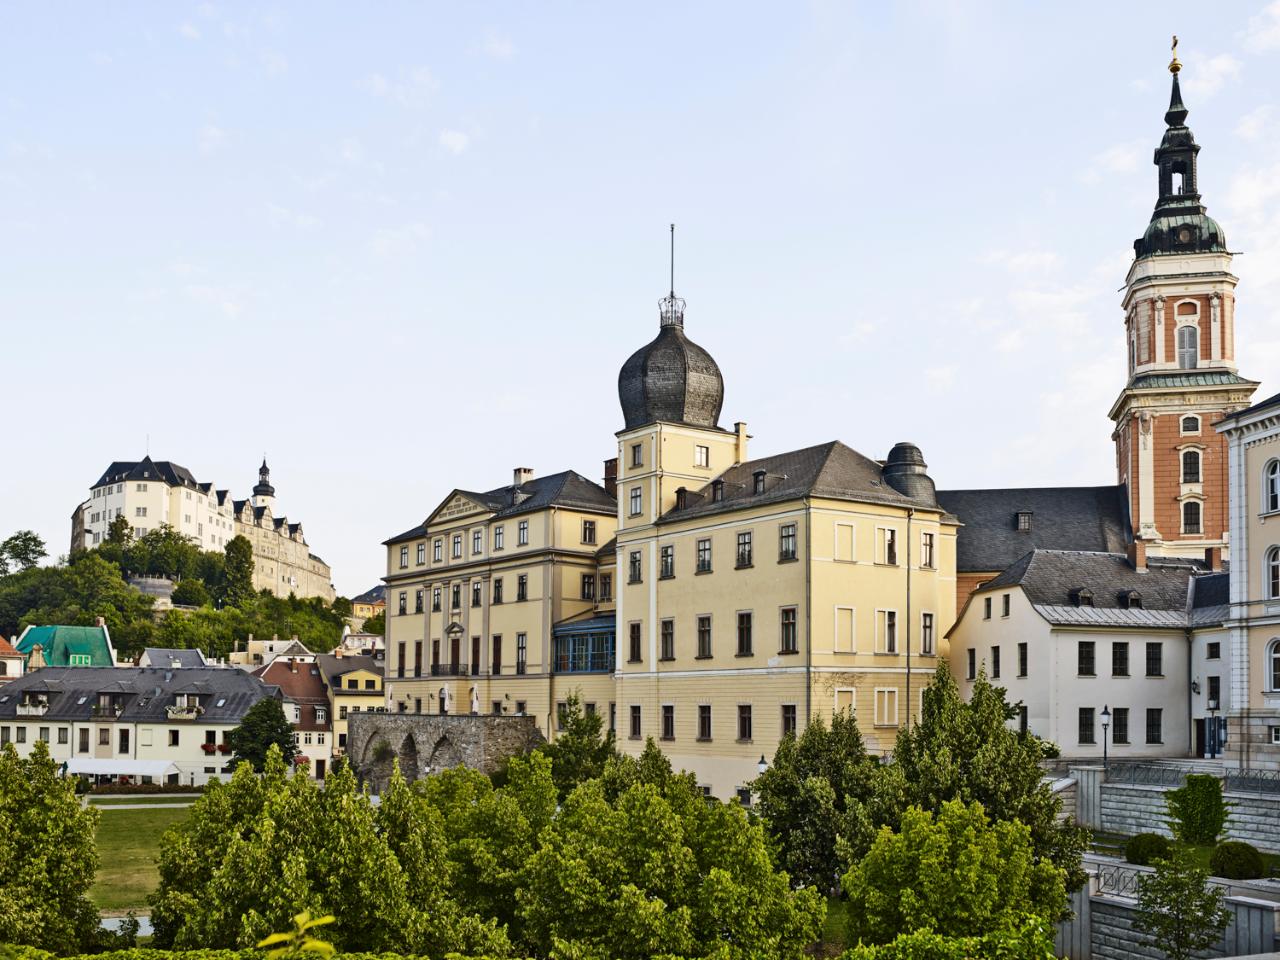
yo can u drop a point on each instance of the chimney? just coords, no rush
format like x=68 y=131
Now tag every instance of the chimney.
x=338 y=653
x=1213 y=558
x=521 y=476
x=1138 y=554
x=740 y=442
x=99 y=622
x=610 y=483
x=294 y=638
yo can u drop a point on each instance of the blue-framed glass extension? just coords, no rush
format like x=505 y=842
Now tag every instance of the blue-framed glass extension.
x=586 y=646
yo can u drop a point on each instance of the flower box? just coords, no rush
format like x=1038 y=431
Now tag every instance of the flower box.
x=224 y=748
x=208 y=747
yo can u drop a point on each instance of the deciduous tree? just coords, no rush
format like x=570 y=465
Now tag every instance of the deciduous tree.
x=237 y=586
x=581 y=748
x=21 y=551
x=1177 y=909
x=264 y=726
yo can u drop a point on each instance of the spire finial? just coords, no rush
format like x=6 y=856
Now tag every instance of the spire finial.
x=673 y=260
x=1174 y=65
x=671 y=307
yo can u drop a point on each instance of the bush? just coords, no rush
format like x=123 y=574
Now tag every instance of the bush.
x=1237 y=860
x=1146 y=848
x=1197 y=811
x=139 y=788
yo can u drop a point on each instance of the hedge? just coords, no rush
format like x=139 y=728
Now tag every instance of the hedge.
x=11 y=952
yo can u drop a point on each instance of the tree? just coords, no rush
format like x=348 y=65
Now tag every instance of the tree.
x=1177 y=910
x=805 y=793
x=1031 y=940
x=375 y=624
x=1197 y=812
x=237 y=588
x=956 y=874
x=581 y=748
x=23 y=550
x=341 y=607
x=48 y=856
x=263 y=726
x=190 y=593
x=119 y=532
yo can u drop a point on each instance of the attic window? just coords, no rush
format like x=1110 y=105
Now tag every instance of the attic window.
x=1130 y=600
x=1022 y=521
x=222 y=702
x=78 y=702
x=1082 y=597
x=717 y=491
x=757 y=482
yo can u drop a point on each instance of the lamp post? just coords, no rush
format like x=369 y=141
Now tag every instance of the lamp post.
x=1106 y=723
x=762 y=766
x=1213 y=728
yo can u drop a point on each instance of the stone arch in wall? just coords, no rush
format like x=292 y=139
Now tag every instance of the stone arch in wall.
x=445 y=754
x=408 y=756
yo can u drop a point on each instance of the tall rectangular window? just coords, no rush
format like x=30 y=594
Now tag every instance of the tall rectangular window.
x=435 y=599
x=633 y=567
x=588 y=586
x=497 y=589
x=1120 y=725
x=886 y=545
x=986 y=608
x=1022 y=659
x=499 y=537
x=667 y=562
x=886 y=631
x=477 y=541
x=1004 y=605
x=926 y=549
x=522 y=586
x=926 y=634
x=588 y=531
x=788 y=719
x=1085 y=662
x=995 y=663
x=418 y=599
x=1154 y=722
x=704 y=721
x=787 y=541
x=637 y=455
x=496 y=644
x=971 y=667
x=704 y=555
x=634 y=640
x=400 y=649
x=437 y=550
x=701 y=456
x=637 y=501
x=1119 y=658
x=1155 y=659
x=522 y=533
x=404 y=557
x=668 y=721
x=522 y=652
x=744 y=633
x=422 y=554
x=606 y=586
x=744 y=548
x=403 y=606
x=787 y=639
x=887 y=707
x=457 y=546
x=704 y=637
x=475 y=593
x=634 y=731
x=744 y=721
x=1085 y=733
x=668 y=635
x=455 y=596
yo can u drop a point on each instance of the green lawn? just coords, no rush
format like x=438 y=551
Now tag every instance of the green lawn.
x=128 y=843
x=1112 y=844
x=833 y=929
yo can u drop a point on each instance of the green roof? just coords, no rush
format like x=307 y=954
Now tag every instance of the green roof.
x=60 y=644
x=1188 y=378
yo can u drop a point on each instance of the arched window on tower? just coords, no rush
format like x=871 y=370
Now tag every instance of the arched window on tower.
x=1271 y=574
x=1191 y=517
x=1188 y=347
x=1190 y=466
x=1271 y=486
x=1273 y=665
x=1190 y=425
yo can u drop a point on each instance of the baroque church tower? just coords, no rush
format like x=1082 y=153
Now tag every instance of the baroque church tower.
x=1179 y=305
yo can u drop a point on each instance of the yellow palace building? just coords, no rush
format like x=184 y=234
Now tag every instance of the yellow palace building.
x=702 y=598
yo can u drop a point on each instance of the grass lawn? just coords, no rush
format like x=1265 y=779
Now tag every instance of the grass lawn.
x=128 y=843
x=833 y=928
x=1112 y=844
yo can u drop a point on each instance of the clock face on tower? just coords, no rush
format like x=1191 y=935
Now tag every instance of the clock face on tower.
x=1184 y=235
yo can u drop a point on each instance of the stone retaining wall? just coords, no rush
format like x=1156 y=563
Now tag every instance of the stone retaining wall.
x=1130 y=808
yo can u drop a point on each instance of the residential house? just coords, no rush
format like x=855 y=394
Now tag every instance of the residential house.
x=57 y=646
x=352 y=684
x=306 y=706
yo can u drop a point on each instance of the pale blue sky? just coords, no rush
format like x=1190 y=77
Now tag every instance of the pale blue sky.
x=403 y=248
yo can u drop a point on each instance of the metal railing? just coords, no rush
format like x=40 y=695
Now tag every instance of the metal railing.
x=1252 y=781
x=1146 y=774
x=1175 y=774
x=449 y=670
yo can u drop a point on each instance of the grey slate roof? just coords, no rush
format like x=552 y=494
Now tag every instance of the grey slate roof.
x=165 y=656
x=828 y=470
x=670 y=379
x=376 y=595
x=334 y=667
x=147 y=691
x=1062 y=518
x=147 y=469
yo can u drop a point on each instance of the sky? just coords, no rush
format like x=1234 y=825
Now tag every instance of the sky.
x=404 y=248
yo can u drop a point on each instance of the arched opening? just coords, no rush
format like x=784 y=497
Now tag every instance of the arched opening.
x=1271 y=573
x=1190 y=466
x=1191 y=517
x=1271 y=486
x=1273 y=664
x=445 y=755
x=408 y=757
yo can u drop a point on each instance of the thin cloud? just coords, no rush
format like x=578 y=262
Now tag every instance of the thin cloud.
x=1263 y=32
x=410 y=87
x=499 y=47
x=1118 y=159
x=1204 y=77
x=1253 y=123
x=211 y=138
x=190 y=31
x=1022 y=261
x=455 y=141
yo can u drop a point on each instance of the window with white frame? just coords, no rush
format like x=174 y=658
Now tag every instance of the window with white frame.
x=522 y=533
x=701 y=456
x=886 y=545
x=404 y=557
x=422 y=553
x=457 y=546
x=499 y=536
x=845 y=699
x=1271 y=573
x=844 y=544
x=1271 y=487
x=1188 y=347
x=926 y=549
x=637 y=454
x=1189 y=426
x=1190 y=466
x=437 y=550
x=845 y=641
x=1191 y=522
x=886 y=707
x=886 y=631
x=926 y=634
x=477 y=541
x=637 y=501
x=1273 y=666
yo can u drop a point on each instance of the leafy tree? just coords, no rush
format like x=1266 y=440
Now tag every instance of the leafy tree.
x=1177 y=910
x=48 y=856
x=581 y=748
x=957 y=875
x=375 y=624
x=191 y=593
x=341 y=607
x=1197 y=812
x=22 y=550
x=264 y=726
x=1031 y=940
x=119 y=532
x=805 y=793
x=237 y=587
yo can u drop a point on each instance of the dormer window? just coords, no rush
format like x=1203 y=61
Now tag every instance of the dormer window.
x=717 y=491
x=757 y=482
x=1082 y=597
x=1022 y=521
x=1130 y=600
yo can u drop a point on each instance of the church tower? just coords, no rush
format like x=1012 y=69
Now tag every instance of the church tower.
x=263 y=492
x=1179 y=306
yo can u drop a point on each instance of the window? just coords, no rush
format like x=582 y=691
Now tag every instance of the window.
x=496 y=645
x=64 y=735
x=971 y=667
x=104 y=736
x=497 y=590
x=637 y=455
x=1086 y=734
x=1155 y=659
x=744 y=721
x=1188 y=347
x=455 y=596
x=995 y=663
x=788 y=719
x=787 y=640
x=404 y=603
x=886 y=545
x=43 y=735
x=422 y=554
x=633 y=567
x=457 y=545
x=404 y=557
x=1190 y=466
x=926 y=549
x=1271 y=487
x=1190 y=425
x=1023 y=521
x=704 y=721
x=140 y=511
x=522 y=586
x=1191 y=517
x=787 y=541
x=744 y=633
x=1022 y=718
x=986 y=608
x=437 y=550
x=886 y=631
x=757 y=482
x=1215 y=693
x=1004 y=605
x=1272 y=567
x=668 y=721
x=322 y=715
x=1130 y=600
x=1082 y=597
x=635 y=721
x=634 y=637
x=1120 y=725
x=588 y=586
x=435 y=599
x=886 y=708
x=845 y=633
x=1154 y=723
x=704 y=637
x=477 y=541
x=1213 y=650
x=1274 y=658
x=606 y=586
x=522 y=652
x=744 y=548
x=704 y=555
x=1120 y=658
x=701 y=456
x=926 y=634
x=1086 y=658
x=717 y=491
x=522 y=533
x=499 y=537
x=667 y=562
x=637 y=502
x=668 y=635
x=418 y=600
x=588 y=531
x=475 y=593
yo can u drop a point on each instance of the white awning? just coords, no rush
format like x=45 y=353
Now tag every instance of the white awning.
x=121 y=768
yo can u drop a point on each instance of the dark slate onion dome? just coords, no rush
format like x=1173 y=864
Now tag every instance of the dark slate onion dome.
x=672 y=379
x=264 y=487
x=1180 y=223
x=906 y=472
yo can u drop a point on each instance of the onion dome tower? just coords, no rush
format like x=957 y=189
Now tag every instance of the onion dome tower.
x=263 y=491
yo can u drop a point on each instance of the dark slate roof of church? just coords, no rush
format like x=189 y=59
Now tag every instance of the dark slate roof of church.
x=830 y=470
x=1062 y=518
x=145 y=469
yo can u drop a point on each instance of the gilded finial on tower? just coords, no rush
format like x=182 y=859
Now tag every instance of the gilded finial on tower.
x=1174 y=65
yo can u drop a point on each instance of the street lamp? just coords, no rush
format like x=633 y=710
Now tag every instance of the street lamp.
x=1213 y=728
x=762 y=766
x=1106 y=722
